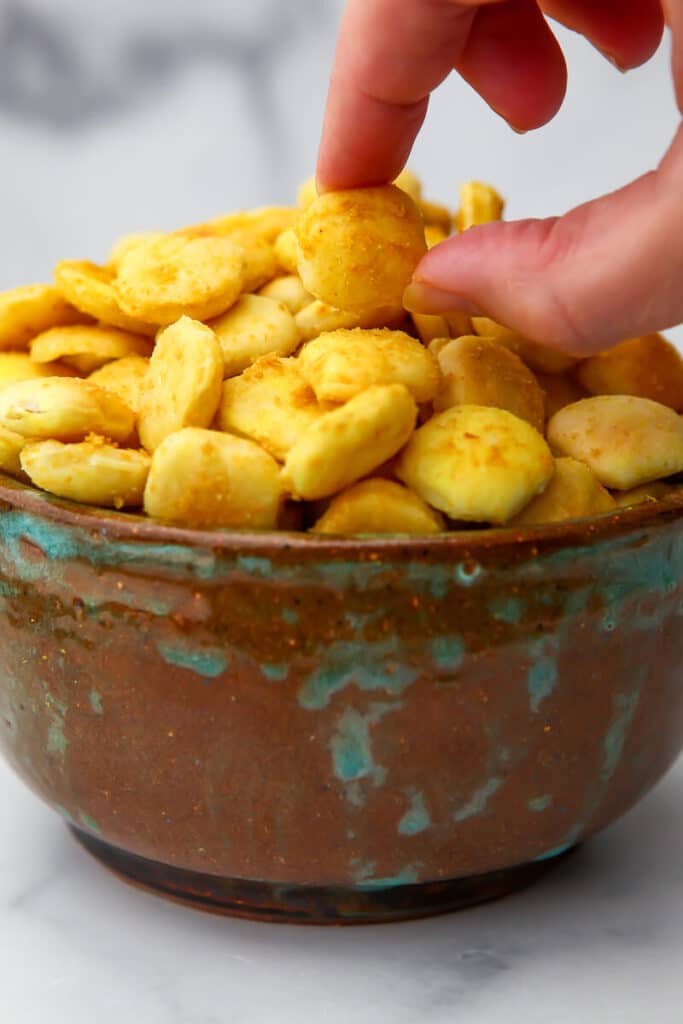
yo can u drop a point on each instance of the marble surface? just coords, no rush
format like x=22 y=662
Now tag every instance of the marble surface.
x=127 y=116
x=598 y=940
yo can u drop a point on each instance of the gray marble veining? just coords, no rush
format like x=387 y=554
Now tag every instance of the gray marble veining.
x=57 y=73
x=129 y=116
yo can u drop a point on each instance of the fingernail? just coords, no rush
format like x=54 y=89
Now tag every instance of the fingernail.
x=424 y=298
x=620 y=67
x=504 y=117
x=614 y=62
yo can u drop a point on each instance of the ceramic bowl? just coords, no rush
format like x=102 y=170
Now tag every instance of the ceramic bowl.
x=330 y=729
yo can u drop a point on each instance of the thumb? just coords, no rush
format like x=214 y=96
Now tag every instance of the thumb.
x=608 y=270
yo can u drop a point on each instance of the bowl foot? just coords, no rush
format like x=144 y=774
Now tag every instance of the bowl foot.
x=300 y=904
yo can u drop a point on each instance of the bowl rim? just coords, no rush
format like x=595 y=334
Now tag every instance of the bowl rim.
x=130 y=527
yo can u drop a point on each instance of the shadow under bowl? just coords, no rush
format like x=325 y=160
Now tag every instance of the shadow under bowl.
x=337 y=729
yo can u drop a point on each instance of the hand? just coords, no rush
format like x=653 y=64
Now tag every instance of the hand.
x=610 y=269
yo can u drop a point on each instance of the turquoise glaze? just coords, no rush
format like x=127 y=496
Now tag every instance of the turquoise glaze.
x=206 y=663
x=351 y=747
x=540 y=803
x=556 y=851
x=416 y=819
x=479 y=802
x=56 y=740
x=507 y=609
x=448 y=652
x=89 y=823
x=57 y=711
x=276 y=673
x=373 y=717
x=467 y=574
x=96 y=702
x=64 y=543
x=613 y=745
x=365 y=665
x=408 y=876
x=351 y=754
x=543 y=673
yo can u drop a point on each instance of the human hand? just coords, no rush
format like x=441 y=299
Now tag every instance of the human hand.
x=607 y=270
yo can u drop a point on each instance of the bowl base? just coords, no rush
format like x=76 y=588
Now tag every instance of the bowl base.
x=318 y=905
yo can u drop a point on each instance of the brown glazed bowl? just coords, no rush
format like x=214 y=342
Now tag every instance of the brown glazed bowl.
x=326 y=729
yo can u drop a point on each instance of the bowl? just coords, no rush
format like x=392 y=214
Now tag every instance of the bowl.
x=337 y=729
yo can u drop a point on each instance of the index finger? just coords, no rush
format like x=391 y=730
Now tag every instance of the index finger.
x=389 y=58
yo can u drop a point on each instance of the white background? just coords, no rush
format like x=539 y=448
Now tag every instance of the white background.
x=131 y=116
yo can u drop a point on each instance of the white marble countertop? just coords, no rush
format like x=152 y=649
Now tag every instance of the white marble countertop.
x=599 y=940
x=133 y=116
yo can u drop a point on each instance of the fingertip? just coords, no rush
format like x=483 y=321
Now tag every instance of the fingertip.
x=513 y=60
x=366 y=142
x=531 y=109
x=626 y=32
x=322 y=185
x=638 y=47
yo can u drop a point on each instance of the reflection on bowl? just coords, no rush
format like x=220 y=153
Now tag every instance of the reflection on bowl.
x=337 y=729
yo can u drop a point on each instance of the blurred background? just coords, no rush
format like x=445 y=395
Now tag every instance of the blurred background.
x=132 y=116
